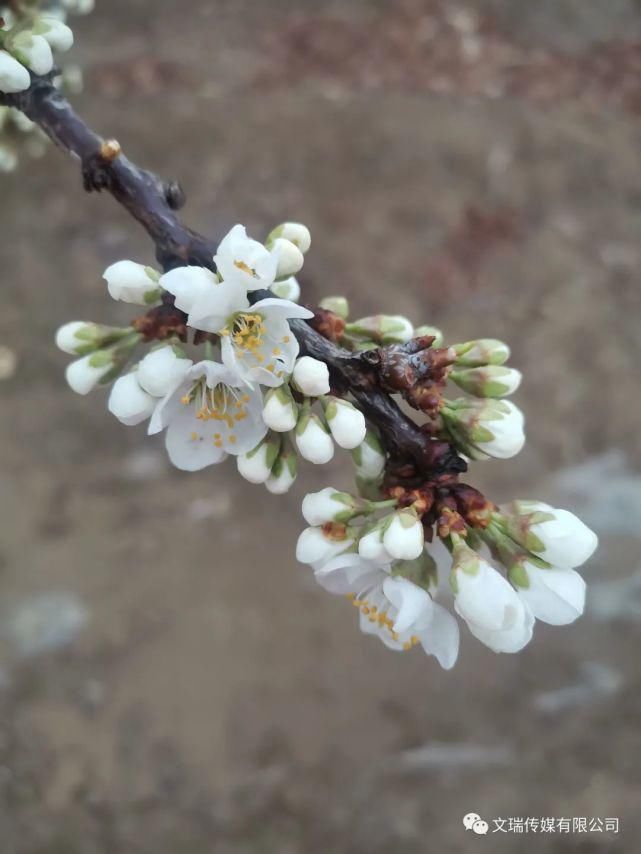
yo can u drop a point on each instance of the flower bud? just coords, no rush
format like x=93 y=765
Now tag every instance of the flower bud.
x=371 y=547
x=404 y=536
x=290 y=258
x=280 y=412
x=420 y=331
x=318 y=545
x=488 y=380
x=329 y=505
x=311 y=376
x=556 y=536
x=162 y=370
x=56 y=32
x=369 y=457
x=79 y=337
x=132 y=283
x=84 y=374
x=129 y=402
x=492 y=428
x=283 y=473
x=256 y=466
x=338 y=305
x=14 y=77
x=313 y=440
x=492 y=609
x=287 y=289
x=554 y=596
x=382 y=329
x=484 y=351
x=347 y=424
x=34 y=52
x=295 y=232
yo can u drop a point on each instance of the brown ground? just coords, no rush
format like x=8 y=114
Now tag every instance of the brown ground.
x=476 y=167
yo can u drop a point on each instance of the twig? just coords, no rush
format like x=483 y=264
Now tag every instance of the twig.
x=153 y=204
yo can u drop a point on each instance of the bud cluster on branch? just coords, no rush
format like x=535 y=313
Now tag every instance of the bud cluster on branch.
x=225 y=361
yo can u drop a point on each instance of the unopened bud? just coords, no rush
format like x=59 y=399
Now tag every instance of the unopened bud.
x=484 y=351
x=346 y=422
x=420 y=331
x=287 y=289
x=488 y=380
x=280 y=412
x=290 y=258
x=339 y=305
x=313 y=440
x=295 y=232
x=382 y=329
x=256 y=466
x=311 y=376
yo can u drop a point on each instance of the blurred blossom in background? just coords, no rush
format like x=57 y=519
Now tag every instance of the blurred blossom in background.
x=171 y=680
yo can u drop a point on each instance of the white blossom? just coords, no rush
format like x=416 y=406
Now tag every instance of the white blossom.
x=404 y=537
x=161 y=369
x=313 y=440
x=258 y=342
x=83 y=375
x=208 y=415
x=554 y=596
x=493 y=610
x=400 y=613
x=280 y=412
x=129 y=402
x=346 y=423
x=246 y=261
x=132 y=283
x=311 y=376
x=14 y=77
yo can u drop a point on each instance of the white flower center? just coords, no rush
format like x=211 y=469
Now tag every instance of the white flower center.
x=221 y=403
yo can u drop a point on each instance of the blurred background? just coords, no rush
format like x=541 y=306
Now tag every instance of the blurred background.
x=171 y=681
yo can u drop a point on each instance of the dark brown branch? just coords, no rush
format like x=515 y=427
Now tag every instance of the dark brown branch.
x=153 y=203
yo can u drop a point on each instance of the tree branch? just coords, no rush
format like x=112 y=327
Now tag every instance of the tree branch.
x=153 y=204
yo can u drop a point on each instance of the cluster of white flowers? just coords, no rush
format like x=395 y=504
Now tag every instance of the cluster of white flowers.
x=254 y=397
x=388 y=571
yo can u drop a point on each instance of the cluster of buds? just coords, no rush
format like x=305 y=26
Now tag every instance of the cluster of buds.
x=31 y=32
x=377 y=554
x=255 y=397
x=252 y=397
